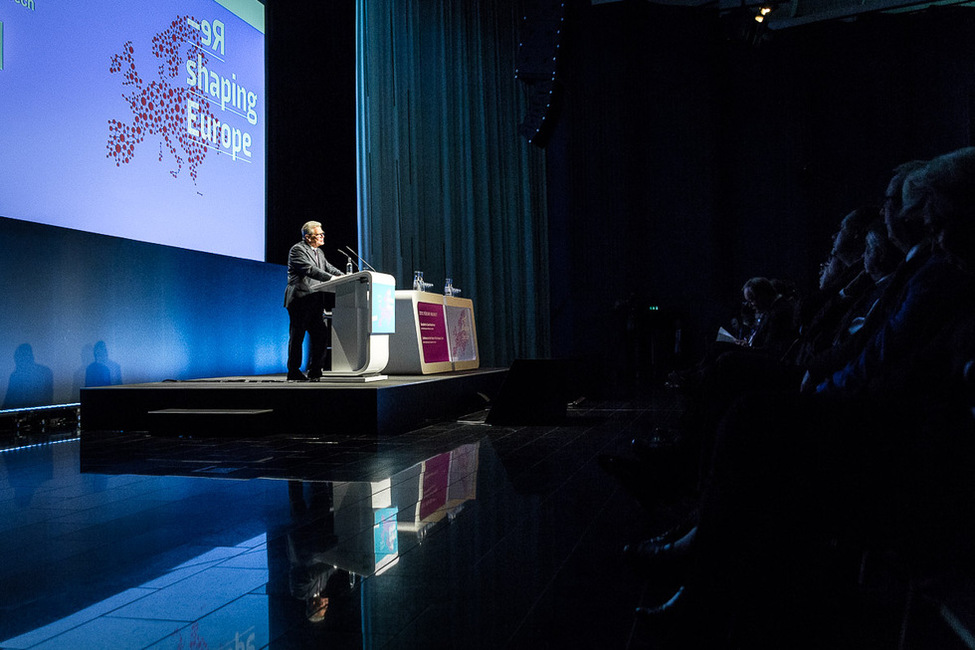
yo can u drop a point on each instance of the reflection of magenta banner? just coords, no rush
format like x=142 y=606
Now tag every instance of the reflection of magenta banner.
x=436 y=474
x=463 y=474
x=433 y=332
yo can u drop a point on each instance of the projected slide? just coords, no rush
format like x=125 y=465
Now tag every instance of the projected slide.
x=142 y=120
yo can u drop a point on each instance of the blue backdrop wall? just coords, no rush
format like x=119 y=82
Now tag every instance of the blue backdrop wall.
x=82 y=309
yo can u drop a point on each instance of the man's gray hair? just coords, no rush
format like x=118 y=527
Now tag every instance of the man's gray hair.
x=308 y=227
x=943 y=192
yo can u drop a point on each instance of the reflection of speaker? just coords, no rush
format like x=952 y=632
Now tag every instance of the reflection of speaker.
x=535 y=391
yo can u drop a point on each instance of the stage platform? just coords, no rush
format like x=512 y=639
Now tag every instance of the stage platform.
x=269 y=404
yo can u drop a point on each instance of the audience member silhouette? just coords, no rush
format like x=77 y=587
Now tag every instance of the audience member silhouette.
x=881 y=259
x=827 y=341
x=878 y=452
x=842 y=283
x=775 y=329
x=772 y=335
x=734 y=372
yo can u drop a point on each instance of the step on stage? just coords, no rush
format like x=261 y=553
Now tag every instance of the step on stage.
x=269 y=404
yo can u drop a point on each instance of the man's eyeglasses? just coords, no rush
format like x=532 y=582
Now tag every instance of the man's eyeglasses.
x=316 y=236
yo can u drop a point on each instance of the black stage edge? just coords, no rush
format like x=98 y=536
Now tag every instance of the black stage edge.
x=268 y=405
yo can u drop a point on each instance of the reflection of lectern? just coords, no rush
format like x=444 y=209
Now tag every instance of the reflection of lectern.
x=435 y=333
x=362 y=320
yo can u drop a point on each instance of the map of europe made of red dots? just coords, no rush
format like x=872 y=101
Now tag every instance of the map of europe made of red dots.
x=159 y=107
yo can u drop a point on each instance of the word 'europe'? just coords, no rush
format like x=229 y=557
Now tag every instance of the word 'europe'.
x=222 y=89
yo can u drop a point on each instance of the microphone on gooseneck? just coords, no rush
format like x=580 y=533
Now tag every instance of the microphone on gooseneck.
x=348 y=261
x=362 y=262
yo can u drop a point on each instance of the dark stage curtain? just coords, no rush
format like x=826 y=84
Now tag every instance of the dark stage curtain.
x=446 y=184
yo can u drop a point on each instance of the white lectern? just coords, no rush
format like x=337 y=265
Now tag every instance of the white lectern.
x=362 y=320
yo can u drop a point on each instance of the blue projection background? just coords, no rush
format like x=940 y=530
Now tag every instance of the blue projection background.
x=89 y=309
x=140 y=120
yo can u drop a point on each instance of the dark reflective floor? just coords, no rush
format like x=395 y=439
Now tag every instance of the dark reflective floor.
x=456 y=535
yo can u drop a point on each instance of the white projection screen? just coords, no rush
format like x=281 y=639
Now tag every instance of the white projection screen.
x=141 y=120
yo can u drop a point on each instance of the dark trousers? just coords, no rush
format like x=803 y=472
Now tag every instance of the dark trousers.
x=306 y=315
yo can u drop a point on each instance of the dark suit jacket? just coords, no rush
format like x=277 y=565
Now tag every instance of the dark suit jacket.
x=934 y=295
x=777 y=330
x=306 y=267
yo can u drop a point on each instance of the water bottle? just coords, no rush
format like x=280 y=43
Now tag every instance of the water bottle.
x=448 y=287
x=417 y=280
x=348 y=265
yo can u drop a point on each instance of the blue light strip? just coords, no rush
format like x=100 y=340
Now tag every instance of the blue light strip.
x=39 y=444
x=28 y=409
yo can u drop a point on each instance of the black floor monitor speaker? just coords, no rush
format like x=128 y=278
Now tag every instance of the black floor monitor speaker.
x=535 y=391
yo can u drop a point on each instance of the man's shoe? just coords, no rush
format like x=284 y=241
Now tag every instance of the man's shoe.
x=314 y=375
x=297 y=375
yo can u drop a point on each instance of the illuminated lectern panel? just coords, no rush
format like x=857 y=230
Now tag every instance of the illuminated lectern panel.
x=434 y=333
x=362 y=320
x=461 y=333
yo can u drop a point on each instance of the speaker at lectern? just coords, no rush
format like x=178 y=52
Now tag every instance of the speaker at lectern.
x=363 y=317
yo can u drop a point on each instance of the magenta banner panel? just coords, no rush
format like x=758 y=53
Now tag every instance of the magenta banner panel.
x=433 y=332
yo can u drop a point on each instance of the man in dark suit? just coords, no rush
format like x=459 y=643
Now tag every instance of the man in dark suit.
x=307 y=267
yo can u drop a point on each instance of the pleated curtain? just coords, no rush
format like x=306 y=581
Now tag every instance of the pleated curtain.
x=446 y=184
